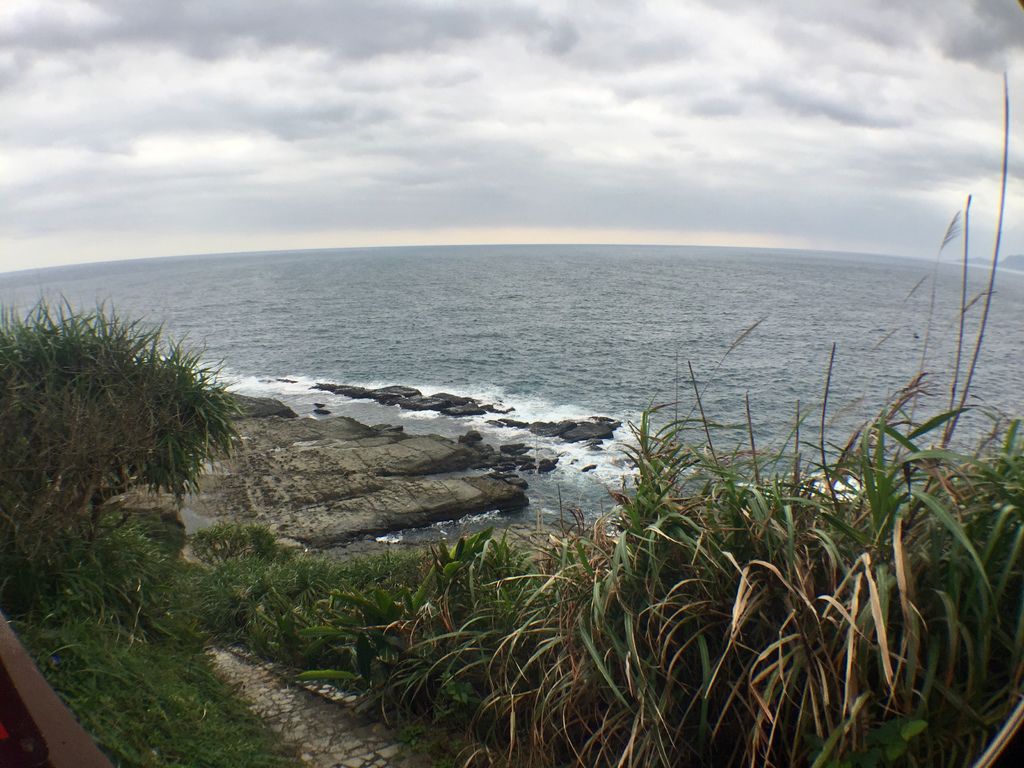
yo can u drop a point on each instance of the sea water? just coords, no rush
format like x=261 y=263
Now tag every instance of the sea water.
x=561 y=332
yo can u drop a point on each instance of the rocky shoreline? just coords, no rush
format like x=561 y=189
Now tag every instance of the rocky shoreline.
x=592 y=431
x=327 y=483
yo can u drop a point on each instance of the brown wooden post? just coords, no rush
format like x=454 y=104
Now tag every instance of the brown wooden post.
x=36 y=729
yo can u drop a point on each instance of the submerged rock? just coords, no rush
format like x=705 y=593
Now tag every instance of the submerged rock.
x=424 y=403
x=394 y=391
x=509 y=423
x=551 y=428
x=409 y=398
x=454 y=399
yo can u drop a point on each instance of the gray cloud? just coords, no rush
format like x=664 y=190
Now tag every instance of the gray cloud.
x=845 y=108
x=854 y=125
x=351 y=29
x=987 y=34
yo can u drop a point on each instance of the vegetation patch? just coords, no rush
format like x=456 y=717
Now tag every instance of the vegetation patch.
x=113 y=630
x=90 y=406
x=862 y=611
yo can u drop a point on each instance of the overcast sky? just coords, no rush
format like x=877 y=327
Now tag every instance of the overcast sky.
x=133 y=128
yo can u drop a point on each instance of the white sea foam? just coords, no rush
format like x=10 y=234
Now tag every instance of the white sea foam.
x=611 y=464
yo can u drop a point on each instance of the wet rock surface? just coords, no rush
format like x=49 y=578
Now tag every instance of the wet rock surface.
x=326 y=482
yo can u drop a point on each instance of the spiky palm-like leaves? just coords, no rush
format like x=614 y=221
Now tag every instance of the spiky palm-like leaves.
x=91 y=405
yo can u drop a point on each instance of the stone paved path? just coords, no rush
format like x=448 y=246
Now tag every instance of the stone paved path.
x=319 y=722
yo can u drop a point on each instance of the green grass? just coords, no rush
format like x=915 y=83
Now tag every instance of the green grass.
x=151 y=703
x=111 y=625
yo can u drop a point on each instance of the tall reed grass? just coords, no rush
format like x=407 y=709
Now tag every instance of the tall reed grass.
x=717 y=620
x=738 y=608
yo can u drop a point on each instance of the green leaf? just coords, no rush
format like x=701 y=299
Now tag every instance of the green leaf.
x=895 y=750
x=934 y=422
x=953 y=526
x=328 y=674
x=913 y=728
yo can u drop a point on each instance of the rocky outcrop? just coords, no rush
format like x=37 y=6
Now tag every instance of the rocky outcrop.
x=471 y=437
x=596 y=428
x=263 y=407
x=572 y=431
x=412 y=399
x=327 y=482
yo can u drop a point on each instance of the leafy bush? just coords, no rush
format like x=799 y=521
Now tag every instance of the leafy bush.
x=259 y=594
x=121 y=580
x=91 y=405
x=227 y=541
x=152 y=704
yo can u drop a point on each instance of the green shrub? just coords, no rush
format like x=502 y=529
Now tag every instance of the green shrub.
x=227 y=541
x=122 y=579
x=258 y=594
x=112 y=625
x=91 y=405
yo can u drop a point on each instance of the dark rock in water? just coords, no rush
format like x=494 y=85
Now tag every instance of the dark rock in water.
x=495 y=408
x=594 y=445
x=321 y=412
x=551 y=428
x=395 y=391
x=388 y=428
x=589 y=468
x=527 y=465
x=262 y=407
x=615 y=424
x=470 y=409
x=454 y=399
x=471 y=437
x=319 y=405
x=424 y=403
x=546 y=465
x=515 y=448
x=356 y=393
x=287 y=381
x=588 y=431
x=509 y=423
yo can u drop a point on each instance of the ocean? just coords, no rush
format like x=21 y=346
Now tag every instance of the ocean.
x=570 y=331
